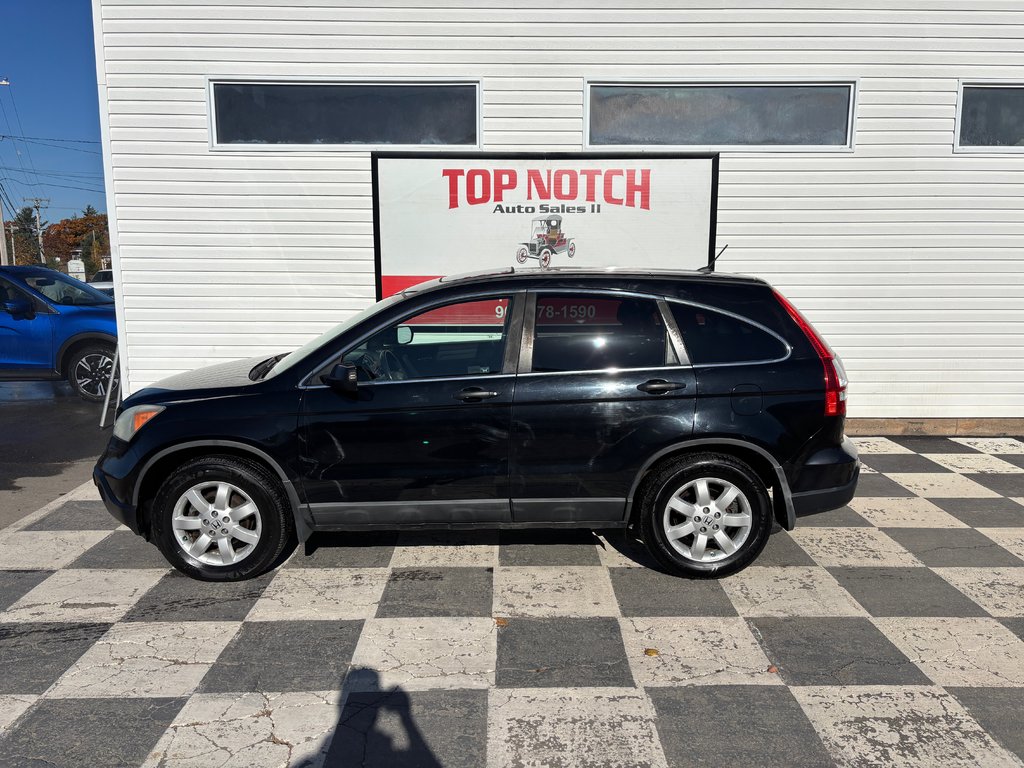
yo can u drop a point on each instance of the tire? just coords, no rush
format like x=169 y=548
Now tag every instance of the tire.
x=522 y=255
x=233 y=484
x=545 y=258
x=88 y=371
x=571 y=250
x=664 y=529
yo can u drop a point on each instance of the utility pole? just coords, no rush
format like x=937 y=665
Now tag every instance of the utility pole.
x=36 y=203
x=4 y=261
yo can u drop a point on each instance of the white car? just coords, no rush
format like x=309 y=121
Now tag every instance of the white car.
x=103 y=281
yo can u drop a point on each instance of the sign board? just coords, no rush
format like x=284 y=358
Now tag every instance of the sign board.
x=441 y=214
x=76 y=268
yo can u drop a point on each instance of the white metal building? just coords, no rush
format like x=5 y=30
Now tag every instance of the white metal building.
x=900 y=233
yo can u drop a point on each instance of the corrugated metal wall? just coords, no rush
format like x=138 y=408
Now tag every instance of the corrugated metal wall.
x=908 y=256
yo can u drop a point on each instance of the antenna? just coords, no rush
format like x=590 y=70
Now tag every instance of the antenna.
x=711 y=267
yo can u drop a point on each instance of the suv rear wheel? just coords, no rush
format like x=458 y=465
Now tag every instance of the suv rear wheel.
x=221 y=518
x=704 y=515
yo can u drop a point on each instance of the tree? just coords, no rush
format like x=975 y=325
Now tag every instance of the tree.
x=89 y=211
x=26 y=239
x=86 y=233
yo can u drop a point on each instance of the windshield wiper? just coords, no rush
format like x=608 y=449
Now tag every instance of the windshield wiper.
x=262 y=369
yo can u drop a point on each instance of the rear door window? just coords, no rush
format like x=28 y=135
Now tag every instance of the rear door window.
x=714 y=338
x=586 y=332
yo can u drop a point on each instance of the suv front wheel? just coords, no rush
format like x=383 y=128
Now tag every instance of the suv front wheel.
x=704 y=515
x=222 y=518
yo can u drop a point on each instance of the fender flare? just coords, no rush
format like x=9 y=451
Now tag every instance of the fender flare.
x=76 y=339
x=790 y=511
x=300 y=511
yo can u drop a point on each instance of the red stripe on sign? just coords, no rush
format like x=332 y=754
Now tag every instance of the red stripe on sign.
x=392 y=284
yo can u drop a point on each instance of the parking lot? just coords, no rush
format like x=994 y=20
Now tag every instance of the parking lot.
x=889 y=632
x=49 y=441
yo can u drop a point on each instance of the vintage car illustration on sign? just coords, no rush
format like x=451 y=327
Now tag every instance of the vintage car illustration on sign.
x=546 y=239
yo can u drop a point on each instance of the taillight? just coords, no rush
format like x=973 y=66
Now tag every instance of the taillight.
x=835 y=374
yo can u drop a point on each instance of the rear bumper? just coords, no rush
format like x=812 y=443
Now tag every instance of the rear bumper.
x=813 y=502
x=833 y=474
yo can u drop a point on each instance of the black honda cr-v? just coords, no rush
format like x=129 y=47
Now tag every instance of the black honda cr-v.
x=695 y=408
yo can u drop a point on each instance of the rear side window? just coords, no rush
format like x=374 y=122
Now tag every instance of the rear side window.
x=713 y=337
x=581 y=332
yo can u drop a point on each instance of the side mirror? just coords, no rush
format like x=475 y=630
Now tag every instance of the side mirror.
x=404 y=334
x=344 y=379
x=17 y=307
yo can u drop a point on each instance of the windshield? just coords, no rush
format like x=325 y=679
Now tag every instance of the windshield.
x=61 y=289
x=308 y=348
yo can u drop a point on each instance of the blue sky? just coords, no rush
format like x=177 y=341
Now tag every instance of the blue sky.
x=46 y=52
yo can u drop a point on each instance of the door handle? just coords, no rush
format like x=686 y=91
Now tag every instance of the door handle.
x=473 y=394
x=660 y=386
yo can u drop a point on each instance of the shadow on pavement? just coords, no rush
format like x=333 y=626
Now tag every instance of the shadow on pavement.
x=49 y=438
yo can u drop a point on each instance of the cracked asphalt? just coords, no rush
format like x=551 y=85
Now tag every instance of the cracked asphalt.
x=889 y=632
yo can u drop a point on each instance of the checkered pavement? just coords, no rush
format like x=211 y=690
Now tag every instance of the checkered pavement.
x=889 y=632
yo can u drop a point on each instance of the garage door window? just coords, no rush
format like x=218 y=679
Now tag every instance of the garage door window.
x=721 y=115
x=589 y=333
x=325 y=114
x=991 y=118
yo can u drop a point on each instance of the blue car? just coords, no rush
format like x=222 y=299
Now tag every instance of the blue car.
x=54 y=327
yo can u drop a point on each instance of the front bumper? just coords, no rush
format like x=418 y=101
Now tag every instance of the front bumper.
x=116 y=498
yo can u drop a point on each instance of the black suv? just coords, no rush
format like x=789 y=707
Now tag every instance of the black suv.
x=694 y=408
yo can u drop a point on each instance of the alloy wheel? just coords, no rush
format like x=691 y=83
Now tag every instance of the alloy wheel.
x=707 y=519
x=216 y=523
x=92 y=373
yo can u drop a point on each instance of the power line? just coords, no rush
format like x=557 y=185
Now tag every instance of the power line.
x=17 y=154
x=51 y=184
x=48 y=138
x=21 y=128
x=59 y=174
x=26 y=142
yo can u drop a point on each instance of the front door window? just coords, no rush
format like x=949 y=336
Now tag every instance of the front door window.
x=457 y=340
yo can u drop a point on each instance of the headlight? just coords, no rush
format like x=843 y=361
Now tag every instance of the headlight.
x=133 y=419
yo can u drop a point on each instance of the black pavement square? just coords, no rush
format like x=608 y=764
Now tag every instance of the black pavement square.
x=643 y=592
x=412 y=592
x=834 y=651
x=1006 y=484
x=770 y=727
x=561 y=652
x=14 y=584
x=285 y=656
x=362 y=549
x=880 y=486
x=843 y=517
x=781 y=550
x=121 y=549
x=548 y=547
x=1017 y=459
x=1000 y=711
x=176 y=597
x=1015 y=625
x=34 y=655
x=901 y=462
x=416 y=729
x=88 y=732
x=905 y=592
x=951 y=547
x=76 y=516
x=929 y=444
x=984 y=513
